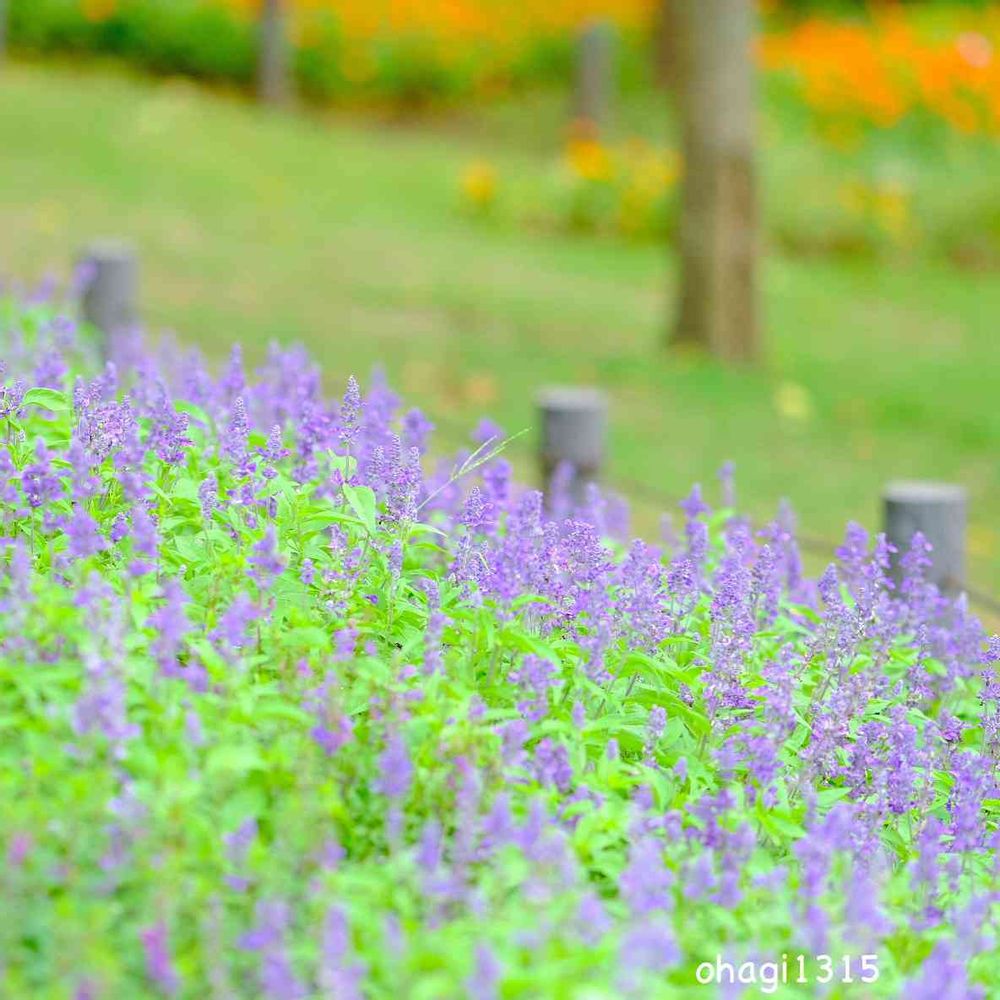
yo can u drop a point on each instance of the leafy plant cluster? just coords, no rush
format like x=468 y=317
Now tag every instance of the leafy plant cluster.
x=876 y=202
x=289 y=708
x=399 y=54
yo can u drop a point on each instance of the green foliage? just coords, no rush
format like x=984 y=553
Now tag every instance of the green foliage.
x=187 y=37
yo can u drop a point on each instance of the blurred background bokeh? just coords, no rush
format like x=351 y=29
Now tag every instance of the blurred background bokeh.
x=427 y=196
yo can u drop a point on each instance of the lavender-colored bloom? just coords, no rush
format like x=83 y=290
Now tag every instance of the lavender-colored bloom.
x=648 y=948
x=593 y=918
x=208 y=497
x=119 y=529
x=339 y=977
x=83 y=535
x=103 y=703
x=170 y=624
x=38 y=481
x=278 y=980
x=145 y=542
x=350 y=414
x=484 y=983
x=656 y=724
x=234 y=624
x=943 y=976
x=168 y=436
x=416 y=430
x=265 y=561
x=272 y=917
x=85 y=990
x=693 y=505
x=233 y=381
x=333 y=734
x=238 y=844
x=274 y=451
x=19 y=848
x=430 y=849
x=234 y=443
x=11 y=397
x=85 y=484
x=646 y=883
x=395 y=769
x=159 y=966
x=552 y=766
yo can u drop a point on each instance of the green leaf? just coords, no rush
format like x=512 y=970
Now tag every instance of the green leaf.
x=46 y=399
x=238 y=758
x=362 y=501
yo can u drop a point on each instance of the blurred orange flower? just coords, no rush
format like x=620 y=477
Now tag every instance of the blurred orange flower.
x=878 y=69
x=589 y=159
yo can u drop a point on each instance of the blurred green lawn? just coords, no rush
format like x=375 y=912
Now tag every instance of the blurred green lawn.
x=346 y=236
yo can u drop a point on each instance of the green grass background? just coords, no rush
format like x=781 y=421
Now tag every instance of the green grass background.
x=344 y=234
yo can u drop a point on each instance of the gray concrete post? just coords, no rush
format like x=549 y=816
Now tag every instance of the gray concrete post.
x=594 y=87
x=109 y=296
x=574 y=424
x=273 y=85
x=938 y=510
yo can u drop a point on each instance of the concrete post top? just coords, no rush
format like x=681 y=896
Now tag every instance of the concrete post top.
x=923 y=491
x=109 y=250
x=566 y=397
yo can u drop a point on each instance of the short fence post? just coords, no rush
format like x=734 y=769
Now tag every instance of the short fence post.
x=110 y=286
x=938 y=511
x=272 y=59
x=573 y=433
x=594 y=78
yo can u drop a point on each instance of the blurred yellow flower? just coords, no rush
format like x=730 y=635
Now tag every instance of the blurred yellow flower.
x=793 y=402
x=891 y=208
x=479 y=185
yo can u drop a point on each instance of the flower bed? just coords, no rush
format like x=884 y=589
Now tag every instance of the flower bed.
x=289 y=709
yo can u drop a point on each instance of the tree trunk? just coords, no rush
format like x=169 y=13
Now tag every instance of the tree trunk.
x=3 y=31
x=272 y=67
x=718 y=227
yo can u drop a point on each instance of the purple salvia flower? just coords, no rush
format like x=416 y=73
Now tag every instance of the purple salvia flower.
x=83 y=535
x=484 y=983
x=145 y=542
x=234 y=624
x=234 y=442
x=693 y=505
x=552 y=766
x=233 y=381
x=265 y=562
x=40 y=484
x=159 y=966
x=646 y=883
x=208 y=497
x=395 y=769
x=237 y=846
x=648 y=950
x=350 y=415
x=277 y=977
x=339 y=977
